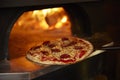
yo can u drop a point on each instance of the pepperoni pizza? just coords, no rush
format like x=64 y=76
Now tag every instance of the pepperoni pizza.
x=66 y=50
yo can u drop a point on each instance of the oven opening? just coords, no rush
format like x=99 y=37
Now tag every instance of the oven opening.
x=33 y=27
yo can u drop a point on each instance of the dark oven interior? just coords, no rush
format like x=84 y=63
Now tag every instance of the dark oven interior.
x=29 y=23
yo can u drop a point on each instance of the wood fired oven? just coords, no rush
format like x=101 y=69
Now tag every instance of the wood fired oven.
x=22 y=25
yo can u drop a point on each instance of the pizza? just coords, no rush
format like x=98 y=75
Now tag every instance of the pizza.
x=65 y=50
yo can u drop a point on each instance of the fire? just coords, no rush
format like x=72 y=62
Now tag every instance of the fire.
x=61 y=22
x=45 y=19
x=64 y=19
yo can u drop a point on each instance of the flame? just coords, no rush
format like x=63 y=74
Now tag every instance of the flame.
x=61 y=22
x=44 y=19
x=64 y=19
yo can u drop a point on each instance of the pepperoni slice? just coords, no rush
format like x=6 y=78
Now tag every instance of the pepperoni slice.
x=67 y=61
x=46 y=43
x=44 y=58
x=73 y=43
x=63 y=56
x=69 y=44
x=66 y=58
x=45 y=53
x=36 y=47
x=55 y=50
x=82 y=53
x=51 y=45
x=55 y=59
x=64 y=39
x=78 y=47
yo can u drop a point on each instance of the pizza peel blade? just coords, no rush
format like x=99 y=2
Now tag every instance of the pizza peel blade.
x=103 y=49
x=96 y=52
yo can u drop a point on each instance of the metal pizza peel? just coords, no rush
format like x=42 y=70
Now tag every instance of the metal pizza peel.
x=104 y=48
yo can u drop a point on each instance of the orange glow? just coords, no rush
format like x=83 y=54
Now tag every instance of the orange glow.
x=44 y=19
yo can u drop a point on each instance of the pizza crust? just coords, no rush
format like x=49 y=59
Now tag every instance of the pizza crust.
x=35 y=55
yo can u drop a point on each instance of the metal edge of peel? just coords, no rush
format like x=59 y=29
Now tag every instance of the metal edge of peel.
x=99 y=51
